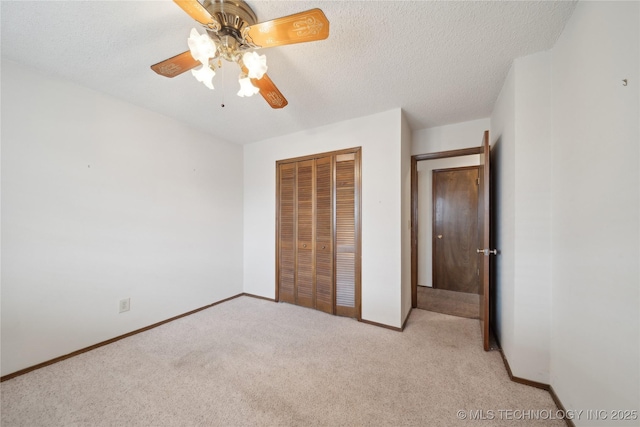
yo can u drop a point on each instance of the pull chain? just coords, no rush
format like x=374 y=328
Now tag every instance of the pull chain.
x=220 y=65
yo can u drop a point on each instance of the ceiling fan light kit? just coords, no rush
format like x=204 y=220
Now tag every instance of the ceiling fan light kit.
x=233 y=35
x=246 y=88
x=256 y=64
x=204 y=75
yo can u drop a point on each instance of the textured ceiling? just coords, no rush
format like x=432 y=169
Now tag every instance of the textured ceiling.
x=441 y=62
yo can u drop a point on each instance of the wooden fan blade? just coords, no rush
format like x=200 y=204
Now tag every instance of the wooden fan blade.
x=195 y=10
x=176 y=65
x=270 y=92
x=298 y=28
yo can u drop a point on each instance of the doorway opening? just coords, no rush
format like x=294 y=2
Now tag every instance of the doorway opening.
x=453 y=204
x=447 y=272
x=477 y=244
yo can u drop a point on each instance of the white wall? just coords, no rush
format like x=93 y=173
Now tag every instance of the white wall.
x=521 y=135
x=101 y=201
x=566 y=157
x=532 y=245
x=595 y=348
x=379 y=135
x=520 y=132
x=449 y=137
x=503 y=159
x=405 y=223
x=425 y=209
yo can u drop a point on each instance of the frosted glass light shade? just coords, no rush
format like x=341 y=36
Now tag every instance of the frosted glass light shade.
x=246 y=88
x=204 y=75
x=201 y=47
x=256 y=64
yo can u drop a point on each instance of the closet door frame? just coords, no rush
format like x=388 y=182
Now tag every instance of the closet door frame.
x=357 y=151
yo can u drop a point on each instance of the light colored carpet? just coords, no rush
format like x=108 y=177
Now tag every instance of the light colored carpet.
x=252 y=362
x=449 y=302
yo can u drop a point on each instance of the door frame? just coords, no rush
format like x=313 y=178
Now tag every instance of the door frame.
x=414 y=207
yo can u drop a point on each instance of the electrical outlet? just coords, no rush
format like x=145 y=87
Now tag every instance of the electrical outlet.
x=125 y=305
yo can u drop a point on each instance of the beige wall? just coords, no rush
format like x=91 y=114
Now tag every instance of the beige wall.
x=101 y=201
x=380 y=136
x=595 y=339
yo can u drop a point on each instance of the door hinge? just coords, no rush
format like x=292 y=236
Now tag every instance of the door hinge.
x=477 y=181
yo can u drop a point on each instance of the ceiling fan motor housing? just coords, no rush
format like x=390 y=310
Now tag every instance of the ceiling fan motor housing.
x=232 y=15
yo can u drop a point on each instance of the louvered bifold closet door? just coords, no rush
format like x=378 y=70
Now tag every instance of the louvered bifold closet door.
x=305 y=271
x=346 y=249
x=318 y=232
x=324 y=234
x=287 y=232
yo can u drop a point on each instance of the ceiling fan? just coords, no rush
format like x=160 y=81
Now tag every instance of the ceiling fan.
x=232 y=34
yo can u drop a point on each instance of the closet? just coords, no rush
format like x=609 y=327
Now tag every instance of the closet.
x=318 y=232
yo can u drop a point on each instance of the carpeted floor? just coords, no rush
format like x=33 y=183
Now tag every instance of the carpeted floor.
x=250 y=362
x=449 y=302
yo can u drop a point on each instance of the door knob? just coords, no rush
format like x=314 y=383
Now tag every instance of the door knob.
x=304 y=246
x=323 y=247
x=487 y=252
x=439 y=236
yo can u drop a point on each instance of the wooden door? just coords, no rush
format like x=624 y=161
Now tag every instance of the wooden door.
x=305 y=269
x=318 y=232
x=347 y=250
x=484 y=251
x=286 y=232
x=324 y=235
x=455 y=224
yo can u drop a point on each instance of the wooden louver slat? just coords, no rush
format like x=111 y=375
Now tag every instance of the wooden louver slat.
x=305 y=269
x=345 y=291
x=345 y=237
x=287 y=230
x=324 y=234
